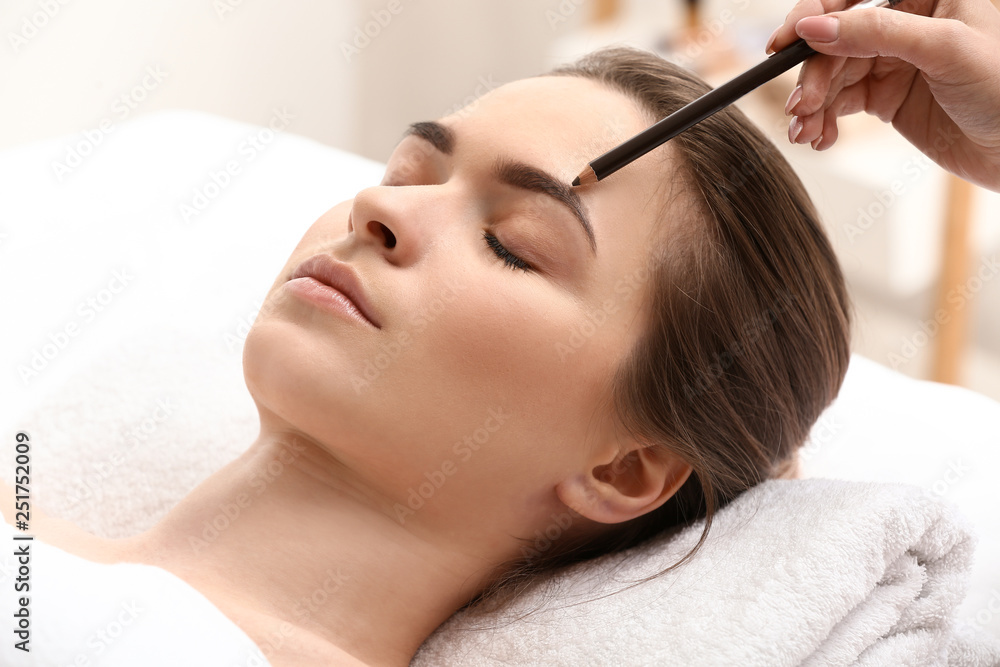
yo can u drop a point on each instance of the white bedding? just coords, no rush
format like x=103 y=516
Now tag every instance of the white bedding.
x=107 y=267
x=123 y=615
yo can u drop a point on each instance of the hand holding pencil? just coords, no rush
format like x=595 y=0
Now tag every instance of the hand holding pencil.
x=703 y=107
x=958 y=63
x=931 y=68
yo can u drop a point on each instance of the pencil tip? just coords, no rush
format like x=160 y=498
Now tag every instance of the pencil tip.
x=586 y=177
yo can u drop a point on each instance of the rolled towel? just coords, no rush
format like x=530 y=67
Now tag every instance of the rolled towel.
x=794 y=572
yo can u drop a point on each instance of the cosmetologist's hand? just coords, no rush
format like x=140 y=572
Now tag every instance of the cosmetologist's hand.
x=930 y=67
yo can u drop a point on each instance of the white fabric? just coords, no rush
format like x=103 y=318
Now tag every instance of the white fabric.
x=147 y=398
x=122 y=615
x=800 y=572
x=886 y=427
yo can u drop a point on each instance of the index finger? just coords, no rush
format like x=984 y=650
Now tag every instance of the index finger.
x=785 y=34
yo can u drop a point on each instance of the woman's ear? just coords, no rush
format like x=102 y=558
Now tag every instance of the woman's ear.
x=636 y=480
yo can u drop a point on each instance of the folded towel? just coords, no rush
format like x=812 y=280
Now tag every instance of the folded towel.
x=795 y=572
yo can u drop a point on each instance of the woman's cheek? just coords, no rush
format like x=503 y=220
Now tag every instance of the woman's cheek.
x=513 y=331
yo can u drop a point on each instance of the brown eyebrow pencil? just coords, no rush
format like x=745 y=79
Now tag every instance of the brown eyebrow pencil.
x=703 y=107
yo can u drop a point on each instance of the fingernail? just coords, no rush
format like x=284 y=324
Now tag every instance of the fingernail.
x=769 y=47
x=816 y=141
x=794 y=129
x=819 y=28
x=793 y=99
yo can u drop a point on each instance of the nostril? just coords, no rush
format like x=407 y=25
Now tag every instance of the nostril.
x=378 y=229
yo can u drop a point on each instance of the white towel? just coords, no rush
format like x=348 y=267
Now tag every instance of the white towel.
x=800 y=572
x=83 y=613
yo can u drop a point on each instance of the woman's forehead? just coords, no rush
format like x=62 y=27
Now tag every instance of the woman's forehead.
x=565 y=121
x=559 y=124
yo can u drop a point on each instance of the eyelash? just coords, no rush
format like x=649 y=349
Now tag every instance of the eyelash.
x=509 y=259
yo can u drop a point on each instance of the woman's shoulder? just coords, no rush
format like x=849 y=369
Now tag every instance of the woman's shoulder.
x=302 y=647
x=59 y=533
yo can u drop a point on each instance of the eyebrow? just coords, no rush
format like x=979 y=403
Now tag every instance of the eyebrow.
x=533 y=179
x=439 y=136
x=514 y=173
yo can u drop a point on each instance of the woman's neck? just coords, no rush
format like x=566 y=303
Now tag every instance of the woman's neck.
x=277 y=533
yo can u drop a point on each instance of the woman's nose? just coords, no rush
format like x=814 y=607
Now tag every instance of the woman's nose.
x=384 y=218
x=378 y=229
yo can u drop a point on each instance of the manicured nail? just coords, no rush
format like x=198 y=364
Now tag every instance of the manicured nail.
x=816 y=142
x=793 y=99
x=794 y=129
x=819 y=28
x=769 y=47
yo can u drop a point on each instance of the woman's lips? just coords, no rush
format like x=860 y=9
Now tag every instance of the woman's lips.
x=333 y=285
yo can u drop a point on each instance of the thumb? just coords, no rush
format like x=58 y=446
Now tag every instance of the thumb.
x=932 y=45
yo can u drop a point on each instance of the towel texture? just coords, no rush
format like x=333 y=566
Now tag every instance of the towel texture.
x=800 y=572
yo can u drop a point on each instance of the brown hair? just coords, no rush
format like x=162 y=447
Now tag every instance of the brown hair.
x=748 y=335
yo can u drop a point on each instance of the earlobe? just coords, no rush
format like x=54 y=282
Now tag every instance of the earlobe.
x=631 y=485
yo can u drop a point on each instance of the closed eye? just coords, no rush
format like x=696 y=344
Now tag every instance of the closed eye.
x=509 y=259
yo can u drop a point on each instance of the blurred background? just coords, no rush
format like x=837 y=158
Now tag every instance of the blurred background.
x=919 y=249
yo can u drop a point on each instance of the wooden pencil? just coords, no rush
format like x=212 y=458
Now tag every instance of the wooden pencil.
x=703 y=107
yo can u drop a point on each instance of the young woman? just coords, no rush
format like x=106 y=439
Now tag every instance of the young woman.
x=505 y=356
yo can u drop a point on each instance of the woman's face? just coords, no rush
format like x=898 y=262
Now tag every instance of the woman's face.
x=504 y=302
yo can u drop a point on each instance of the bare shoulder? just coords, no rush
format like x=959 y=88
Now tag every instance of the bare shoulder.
x=320 y=655
x=283 y=642
x=60 y=533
